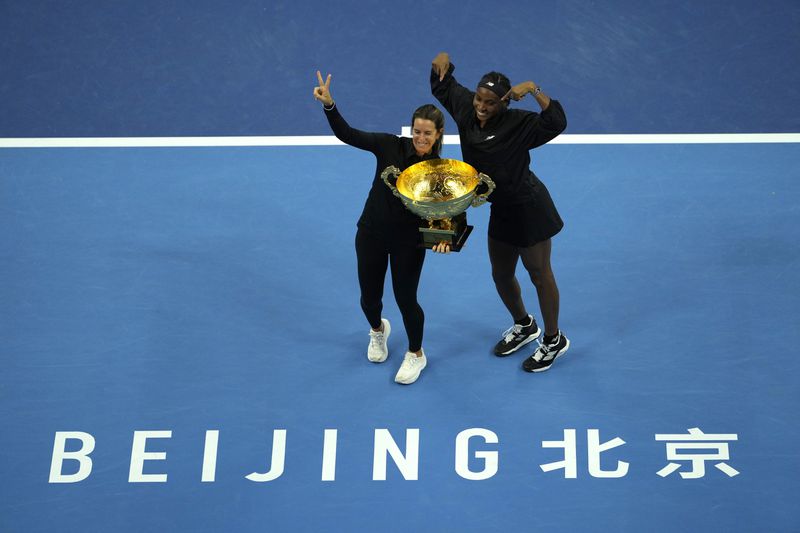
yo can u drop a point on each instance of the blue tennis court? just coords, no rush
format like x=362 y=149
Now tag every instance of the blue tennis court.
x=180 y=332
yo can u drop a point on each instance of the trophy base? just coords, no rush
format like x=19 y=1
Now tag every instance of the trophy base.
x=456 y=236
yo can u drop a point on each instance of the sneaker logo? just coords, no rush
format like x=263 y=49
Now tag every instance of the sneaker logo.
x=489 y=138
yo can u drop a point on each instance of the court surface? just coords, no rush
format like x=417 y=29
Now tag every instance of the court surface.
x=188 y=290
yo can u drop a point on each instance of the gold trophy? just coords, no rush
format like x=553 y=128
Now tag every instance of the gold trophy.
x=440 y=191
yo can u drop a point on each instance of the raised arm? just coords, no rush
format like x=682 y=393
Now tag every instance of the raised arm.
x=537 y=129
x=343 y=131
x=453 y=96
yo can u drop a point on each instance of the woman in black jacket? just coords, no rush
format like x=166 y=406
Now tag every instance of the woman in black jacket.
x=497 y=141
x=388 y=233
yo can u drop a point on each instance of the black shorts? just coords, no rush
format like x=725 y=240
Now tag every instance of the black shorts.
x=527 y=223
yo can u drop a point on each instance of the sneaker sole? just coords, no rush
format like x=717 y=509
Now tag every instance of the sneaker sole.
x=387 y=329
x=562 y=352
x=409 y=381
x=532 y=337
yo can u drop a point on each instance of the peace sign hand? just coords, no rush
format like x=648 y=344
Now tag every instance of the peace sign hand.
x=322 y=91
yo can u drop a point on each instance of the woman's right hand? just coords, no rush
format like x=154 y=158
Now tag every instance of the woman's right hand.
x=322 y=92
x=441 y=64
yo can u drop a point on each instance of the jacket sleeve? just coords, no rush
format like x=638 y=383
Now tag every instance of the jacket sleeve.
x=372 y=142
x=540 y=128
x=455 y=98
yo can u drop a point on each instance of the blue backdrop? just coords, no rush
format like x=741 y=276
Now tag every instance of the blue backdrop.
x=210 y=67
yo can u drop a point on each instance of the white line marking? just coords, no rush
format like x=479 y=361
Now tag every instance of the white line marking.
x=329 y=140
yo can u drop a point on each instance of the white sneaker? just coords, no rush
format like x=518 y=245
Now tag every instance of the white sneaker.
x=411 y=368
x=378 y=349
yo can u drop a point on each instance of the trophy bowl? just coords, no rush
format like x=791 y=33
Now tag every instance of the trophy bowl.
x=440 y=191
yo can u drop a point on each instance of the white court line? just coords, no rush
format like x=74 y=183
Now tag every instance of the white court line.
x=330 y=140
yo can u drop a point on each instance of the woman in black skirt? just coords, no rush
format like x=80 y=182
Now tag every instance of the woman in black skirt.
x=388 y=233
x=496 y=140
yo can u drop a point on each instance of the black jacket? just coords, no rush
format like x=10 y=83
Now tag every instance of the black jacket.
x=501 y=148
x=384 y=215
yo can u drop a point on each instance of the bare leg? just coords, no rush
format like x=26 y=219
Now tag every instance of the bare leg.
x=536 y=260
x=504 y=263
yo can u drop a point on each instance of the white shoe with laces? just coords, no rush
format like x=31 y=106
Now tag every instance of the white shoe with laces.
x=378 y=349
x=411 y=368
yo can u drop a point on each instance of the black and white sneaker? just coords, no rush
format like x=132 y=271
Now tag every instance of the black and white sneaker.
x=516 y=337
x=546 y=354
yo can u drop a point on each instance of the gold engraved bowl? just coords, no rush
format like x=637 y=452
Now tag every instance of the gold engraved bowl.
x=438 y=189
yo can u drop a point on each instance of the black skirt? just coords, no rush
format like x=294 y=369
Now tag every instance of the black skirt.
x=525 y=224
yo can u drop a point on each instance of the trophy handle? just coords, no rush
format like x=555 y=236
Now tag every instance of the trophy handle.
x=391 y=172
x=481 y=198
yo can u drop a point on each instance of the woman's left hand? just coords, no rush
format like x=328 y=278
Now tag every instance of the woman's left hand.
x=518 y=91
x=441 y=248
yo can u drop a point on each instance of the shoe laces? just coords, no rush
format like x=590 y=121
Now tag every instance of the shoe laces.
x=376 y=338
x=511 y=332
x=412 y=360
x=544 y=349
